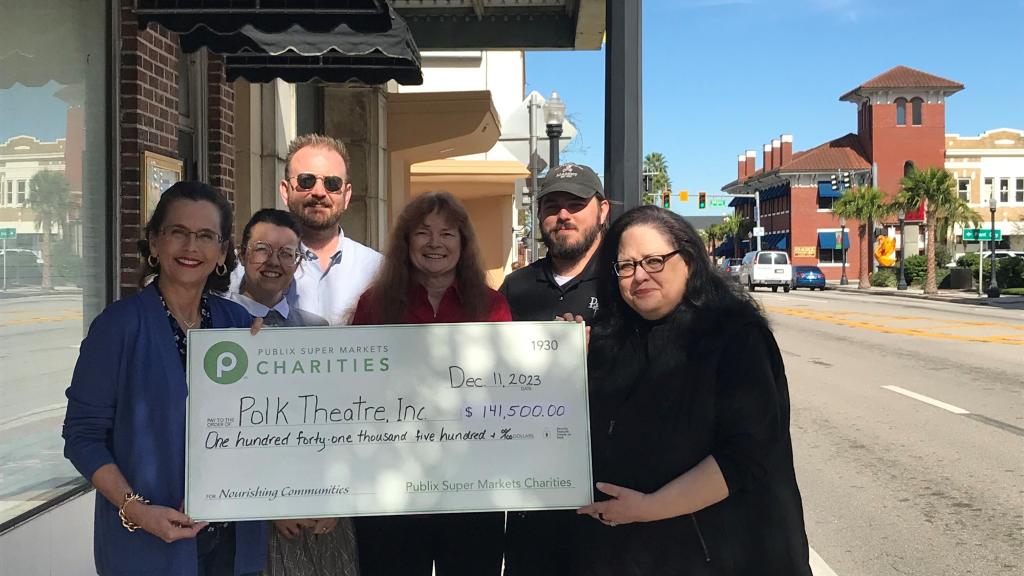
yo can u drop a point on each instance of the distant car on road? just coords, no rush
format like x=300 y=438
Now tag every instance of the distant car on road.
x=808 y=277
x=766 y=268
x=1000 y=255
x=731 y=267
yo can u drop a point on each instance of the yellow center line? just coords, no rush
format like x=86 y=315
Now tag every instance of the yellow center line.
x=840 y=317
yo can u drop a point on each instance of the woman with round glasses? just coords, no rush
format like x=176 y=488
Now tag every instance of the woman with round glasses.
x=689 y=417
x=270 y=253
x=125 y=423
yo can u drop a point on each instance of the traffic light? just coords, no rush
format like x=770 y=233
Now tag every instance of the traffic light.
x=702 y=200
x=666 y=199
x=684 y=196
x=835 y=183
x=846 y=180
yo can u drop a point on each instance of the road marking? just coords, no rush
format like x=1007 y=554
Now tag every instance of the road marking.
x=847 y=318
x=818 y=566
x=33 y=416
x=927 y=400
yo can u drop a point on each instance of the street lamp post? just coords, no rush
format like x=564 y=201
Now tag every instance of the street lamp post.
x=843 y=281
x=554 y=116
x=993 y=286
x=901 y=283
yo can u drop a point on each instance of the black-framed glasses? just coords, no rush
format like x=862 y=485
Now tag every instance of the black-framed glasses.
x=651 y=264
x=259 y=252
x=181 y=235
x=306 y=182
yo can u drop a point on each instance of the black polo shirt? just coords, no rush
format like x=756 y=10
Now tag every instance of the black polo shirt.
x=536 y=543
x=533 y=294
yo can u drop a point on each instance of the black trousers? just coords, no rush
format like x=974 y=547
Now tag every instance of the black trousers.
x=540 y=543
x=460 y=544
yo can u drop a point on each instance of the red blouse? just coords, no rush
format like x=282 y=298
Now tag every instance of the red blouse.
x=421 y=312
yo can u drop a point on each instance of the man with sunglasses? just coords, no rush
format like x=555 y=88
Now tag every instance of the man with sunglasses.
x=573 y=215
x=334 y=270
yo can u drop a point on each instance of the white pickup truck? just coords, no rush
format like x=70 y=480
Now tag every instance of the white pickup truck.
x=766 y=268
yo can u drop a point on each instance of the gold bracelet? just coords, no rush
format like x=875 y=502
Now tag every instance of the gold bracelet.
x=130 y=497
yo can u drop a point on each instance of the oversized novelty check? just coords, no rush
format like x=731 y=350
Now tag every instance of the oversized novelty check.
x=367 y=420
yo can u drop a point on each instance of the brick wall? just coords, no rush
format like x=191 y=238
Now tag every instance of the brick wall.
x=148 y=93
x=148 y=99
x=221 y=128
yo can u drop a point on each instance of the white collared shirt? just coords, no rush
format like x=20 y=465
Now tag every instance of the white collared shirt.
x=257 y=310
x=332 y=293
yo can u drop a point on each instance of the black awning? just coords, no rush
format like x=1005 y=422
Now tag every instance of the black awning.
x=299 y=55
x=226 y=16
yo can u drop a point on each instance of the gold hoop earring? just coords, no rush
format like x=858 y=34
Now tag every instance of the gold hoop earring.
x=153 y=261
x=221 y=269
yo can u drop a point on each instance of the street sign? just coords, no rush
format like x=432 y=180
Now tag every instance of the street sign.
x=718 y=202
x=684 y=195
x=981 y=234
x=8 y=233
x=759 y=231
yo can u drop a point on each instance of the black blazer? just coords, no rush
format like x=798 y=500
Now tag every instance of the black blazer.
x=665 y=395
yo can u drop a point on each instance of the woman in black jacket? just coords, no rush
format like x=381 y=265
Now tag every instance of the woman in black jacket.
x=689 y=417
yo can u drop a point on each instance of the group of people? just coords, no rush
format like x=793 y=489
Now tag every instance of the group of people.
x=689 y=407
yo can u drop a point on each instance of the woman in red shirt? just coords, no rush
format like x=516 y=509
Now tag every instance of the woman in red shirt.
x=431 y=273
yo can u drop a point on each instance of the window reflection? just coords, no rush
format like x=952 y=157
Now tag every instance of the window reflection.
x=53 y=252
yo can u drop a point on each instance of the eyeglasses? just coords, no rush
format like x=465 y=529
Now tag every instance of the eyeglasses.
x=259 y=252
x=181 y=236
x=650 y=264
x=306 y=181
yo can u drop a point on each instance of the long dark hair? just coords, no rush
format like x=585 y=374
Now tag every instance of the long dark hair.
x=389 y=292
x=196 y=191
x=706 y=289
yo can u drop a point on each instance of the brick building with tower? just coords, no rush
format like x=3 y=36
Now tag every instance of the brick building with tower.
x=901 y=123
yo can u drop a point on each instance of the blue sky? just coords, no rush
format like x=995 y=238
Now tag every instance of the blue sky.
x=724 y=76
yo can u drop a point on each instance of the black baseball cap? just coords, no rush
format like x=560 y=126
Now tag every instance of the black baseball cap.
x=576 y=179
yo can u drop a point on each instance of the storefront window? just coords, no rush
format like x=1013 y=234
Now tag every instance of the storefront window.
x=54 y=253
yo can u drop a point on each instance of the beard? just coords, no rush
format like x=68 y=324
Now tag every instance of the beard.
x=298 y=207
x=564 y=249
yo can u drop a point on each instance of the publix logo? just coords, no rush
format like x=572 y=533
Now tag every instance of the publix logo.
x=225 y=362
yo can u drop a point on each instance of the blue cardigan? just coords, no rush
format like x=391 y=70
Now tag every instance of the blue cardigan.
x=126 y=405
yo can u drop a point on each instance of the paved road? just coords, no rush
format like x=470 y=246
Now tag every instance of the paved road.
x=40 y=338
x=901 y=481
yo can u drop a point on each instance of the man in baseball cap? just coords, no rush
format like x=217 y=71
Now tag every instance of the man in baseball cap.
x=573 y=215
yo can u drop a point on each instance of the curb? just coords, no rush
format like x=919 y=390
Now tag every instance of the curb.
x=959 y=298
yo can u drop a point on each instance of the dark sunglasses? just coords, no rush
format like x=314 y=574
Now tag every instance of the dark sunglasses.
x=307 y=181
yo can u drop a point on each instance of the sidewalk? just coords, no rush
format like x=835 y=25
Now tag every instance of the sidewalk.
x=954 y=296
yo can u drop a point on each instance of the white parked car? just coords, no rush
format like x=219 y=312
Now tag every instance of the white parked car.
x=766 y=268
x=1000 y=254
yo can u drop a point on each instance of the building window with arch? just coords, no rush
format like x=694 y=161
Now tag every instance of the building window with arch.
x=915 y=111
x=908 y=168
x=901 y=112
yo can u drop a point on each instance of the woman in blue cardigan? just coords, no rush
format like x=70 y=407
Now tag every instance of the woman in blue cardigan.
x=125 y=423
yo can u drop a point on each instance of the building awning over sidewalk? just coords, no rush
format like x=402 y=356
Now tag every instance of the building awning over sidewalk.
x=825 y=190
x=829 y=240
x=300 y=55
x=227 y=16
x=778 y=241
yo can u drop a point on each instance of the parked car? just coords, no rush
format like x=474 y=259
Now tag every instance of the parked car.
x=1000 y=255
x=766 y=268
x=21 y=267
x=808 y=277
x=731 y=267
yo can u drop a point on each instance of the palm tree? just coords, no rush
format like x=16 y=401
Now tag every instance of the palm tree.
x=865 y=204
x=732 y=226
x=959 y=212
x=50 y=200
x=713 y=234
x=656 y=164
x=936 y=189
